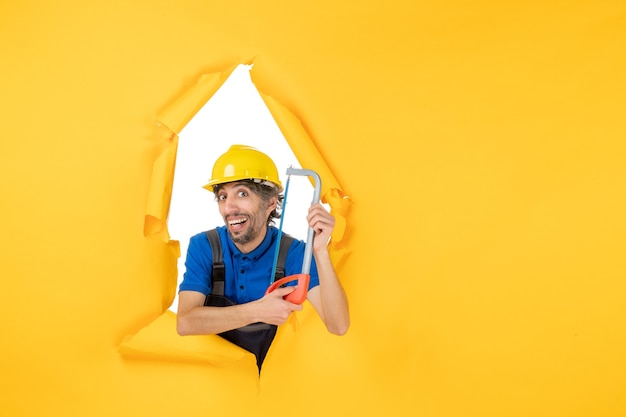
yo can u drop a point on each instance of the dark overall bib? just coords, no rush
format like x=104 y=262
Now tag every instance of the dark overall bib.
x=256 y=337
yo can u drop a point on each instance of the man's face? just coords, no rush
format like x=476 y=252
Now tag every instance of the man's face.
x=245 y=214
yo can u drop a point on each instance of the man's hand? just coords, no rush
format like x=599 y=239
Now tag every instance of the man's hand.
x=273 y=309
x=322 y=223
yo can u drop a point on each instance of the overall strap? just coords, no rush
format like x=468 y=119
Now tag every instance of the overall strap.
x=285 y=243
x=218 y=275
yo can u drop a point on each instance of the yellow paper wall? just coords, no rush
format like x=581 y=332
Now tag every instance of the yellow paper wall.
x=482 y=145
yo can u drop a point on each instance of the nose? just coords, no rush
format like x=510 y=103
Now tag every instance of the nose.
x=230 y=205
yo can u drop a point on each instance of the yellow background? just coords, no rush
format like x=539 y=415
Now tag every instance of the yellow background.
x=482 y=145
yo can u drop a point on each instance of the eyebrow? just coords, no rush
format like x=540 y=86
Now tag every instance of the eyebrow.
x=237 y=186
x=241 y=184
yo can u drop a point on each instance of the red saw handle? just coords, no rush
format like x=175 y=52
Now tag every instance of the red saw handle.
x=298 y=295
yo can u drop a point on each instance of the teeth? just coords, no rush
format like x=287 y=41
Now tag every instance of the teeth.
x=237 y=221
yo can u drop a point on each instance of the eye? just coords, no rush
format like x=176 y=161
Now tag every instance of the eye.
x=221 y=197
x=242 y=193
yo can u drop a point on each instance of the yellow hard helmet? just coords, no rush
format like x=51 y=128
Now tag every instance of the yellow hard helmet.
x=243 y=162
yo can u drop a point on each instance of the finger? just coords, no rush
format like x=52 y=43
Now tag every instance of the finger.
x=318 y=209
x=321 y=226
x=324 y=217
x=282 y=291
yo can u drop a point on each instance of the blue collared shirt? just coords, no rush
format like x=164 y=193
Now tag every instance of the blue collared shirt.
x=247 y=274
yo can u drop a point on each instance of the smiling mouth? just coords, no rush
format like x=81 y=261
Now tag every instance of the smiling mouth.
x=237 y=223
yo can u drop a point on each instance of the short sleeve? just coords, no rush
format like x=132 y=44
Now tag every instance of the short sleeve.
x=198 y=265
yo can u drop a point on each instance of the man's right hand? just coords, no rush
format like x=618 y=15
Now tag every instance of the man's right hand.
x=273 y=308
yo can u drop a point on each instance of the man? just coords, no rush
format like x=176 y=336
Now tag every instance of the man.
x=248 y=192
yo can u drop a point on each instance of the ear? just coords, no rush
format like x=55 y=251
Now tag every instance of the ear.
x=272 y=203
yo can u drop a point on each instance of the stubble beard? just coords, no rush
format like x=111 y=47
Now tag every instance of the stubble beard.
x=248 y=236
x=254 y=229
